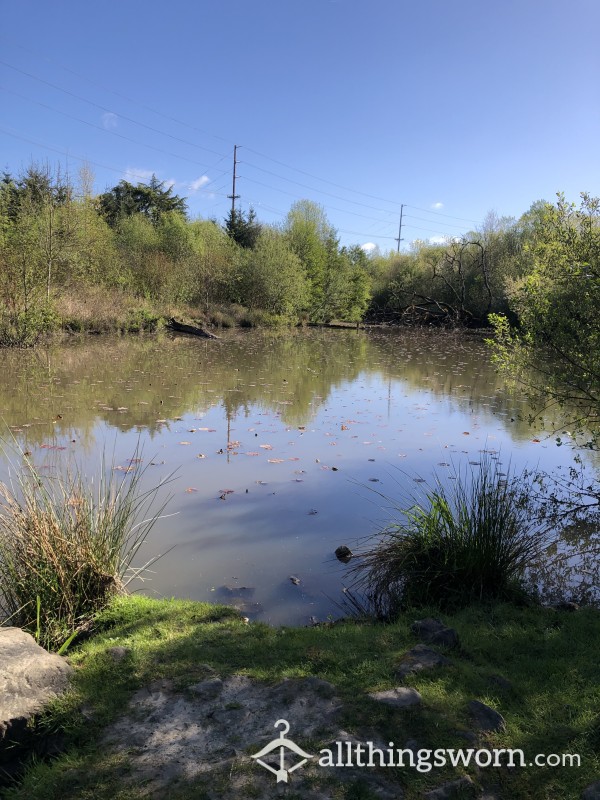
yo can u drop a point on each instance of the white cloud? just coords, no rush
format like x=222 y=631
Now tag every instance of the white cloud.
x=135 y=175
x=437 y=206
x=109 y=121
x=199 y=183
x=438 y=239
x=170 y=183
x=368 y=247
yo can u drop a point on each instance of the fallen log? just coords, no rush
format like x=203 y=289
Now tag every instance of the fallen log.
x=180 y=327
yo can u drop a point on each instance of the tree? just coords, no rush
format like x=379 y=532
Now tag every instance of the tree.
x=555 y=349
x=151 y=200
x=274 y=279
x=244 y=229
x=308 y=232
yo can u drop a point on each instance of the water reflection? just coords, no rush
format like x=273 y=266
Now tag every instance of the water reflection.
x=276 y=440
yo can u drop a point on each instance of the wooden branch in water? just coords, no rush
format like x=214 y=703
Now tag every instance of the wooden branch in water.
x=180 y=327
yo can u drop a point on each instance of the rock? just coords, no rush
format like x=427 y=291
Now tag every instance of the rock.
x=433 y=631
x=454 y=789
x=118 y=653
x=29 y=678
x=343 y=553
x=419 y=658
x=486 y=718
x=400 y=697
x=591 y=792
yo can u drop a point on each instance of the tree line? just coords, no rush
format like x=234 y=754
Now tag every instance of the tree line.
x=56 y=239
x=535 y=280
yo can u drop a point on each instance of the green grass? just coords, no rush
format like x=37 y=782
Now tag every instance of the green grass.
x=549 y=657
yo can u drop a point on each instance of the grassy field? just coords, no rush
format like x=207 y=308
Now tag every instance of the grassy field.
x=550 y=696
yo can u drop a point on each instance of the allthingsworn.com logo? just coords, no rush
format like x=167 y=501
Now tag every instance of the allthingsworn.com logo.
x=282 y=756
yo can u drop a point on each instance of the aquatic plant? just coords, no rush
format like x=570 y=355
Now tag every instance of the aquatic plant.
x=472 y=540
x=67 y=546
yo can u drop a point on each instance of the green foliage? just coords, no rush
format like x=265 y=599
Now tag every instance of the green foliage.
x=151 y=200
x=471 y=542
x=274 y=280
x=24 y=328
x=244 y=229
x=555 y=349
x=308 y=231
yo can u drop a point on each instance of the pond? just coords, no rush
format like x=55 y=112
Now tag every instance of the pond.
x=282 y=445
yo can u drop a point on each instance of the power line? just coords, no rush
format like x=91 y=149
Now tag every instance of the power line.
x=83 y=159
x=331 y=208
x=423 y=219
x=117 y=94
x=439 y=213
x=109 y=110
x=200 y=130
x=107 y=130
x=319 y=191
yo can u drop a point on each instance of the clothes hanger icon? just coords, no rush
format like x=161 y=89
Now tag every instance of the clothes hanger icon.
x=282 y=743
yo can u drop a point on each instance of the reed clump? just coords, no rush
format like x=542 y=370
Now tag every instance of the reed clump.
x=472 y=540
x=67 y=546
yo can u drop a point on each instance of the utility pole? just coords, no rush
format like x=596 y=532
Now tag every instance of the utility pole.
x=399 y=239
x=233 y=196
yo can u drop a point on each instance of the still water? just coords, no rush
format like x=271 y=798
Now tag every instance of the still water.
x=282 y=446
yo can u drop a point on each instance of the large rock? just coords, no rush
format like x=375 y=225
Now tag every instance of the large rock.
x=592 y=792
x=400 y=697
x=420 y=658
x=433 y=631
x=29 y=678
x=486 y=718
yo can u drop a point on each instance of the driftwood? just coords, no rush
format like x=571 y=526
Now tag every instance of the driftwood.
x=180 y=327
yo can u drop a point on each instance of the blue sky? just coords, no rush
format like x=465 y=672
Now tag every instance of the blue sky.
x=451 y=107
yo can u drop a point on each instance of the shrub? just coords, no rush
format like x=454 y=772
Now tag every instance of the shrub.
x=24 y=328
x=66 y=548
x=473 y=541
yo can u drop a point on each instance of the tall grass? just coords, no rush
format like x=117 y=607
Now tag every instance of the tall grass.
x=66 y=547
x=474 y=540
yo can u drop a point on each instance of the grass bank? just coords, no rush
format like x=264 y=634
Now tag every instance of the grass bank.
x=98 y=310
x=537 y=666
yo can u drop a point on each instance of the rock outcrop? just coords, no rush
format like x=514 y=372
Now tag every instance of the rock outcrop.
x=29 y=678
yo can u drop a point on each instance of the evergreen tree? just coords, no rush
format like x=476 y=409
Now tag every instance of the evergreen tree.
x=151 y=199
